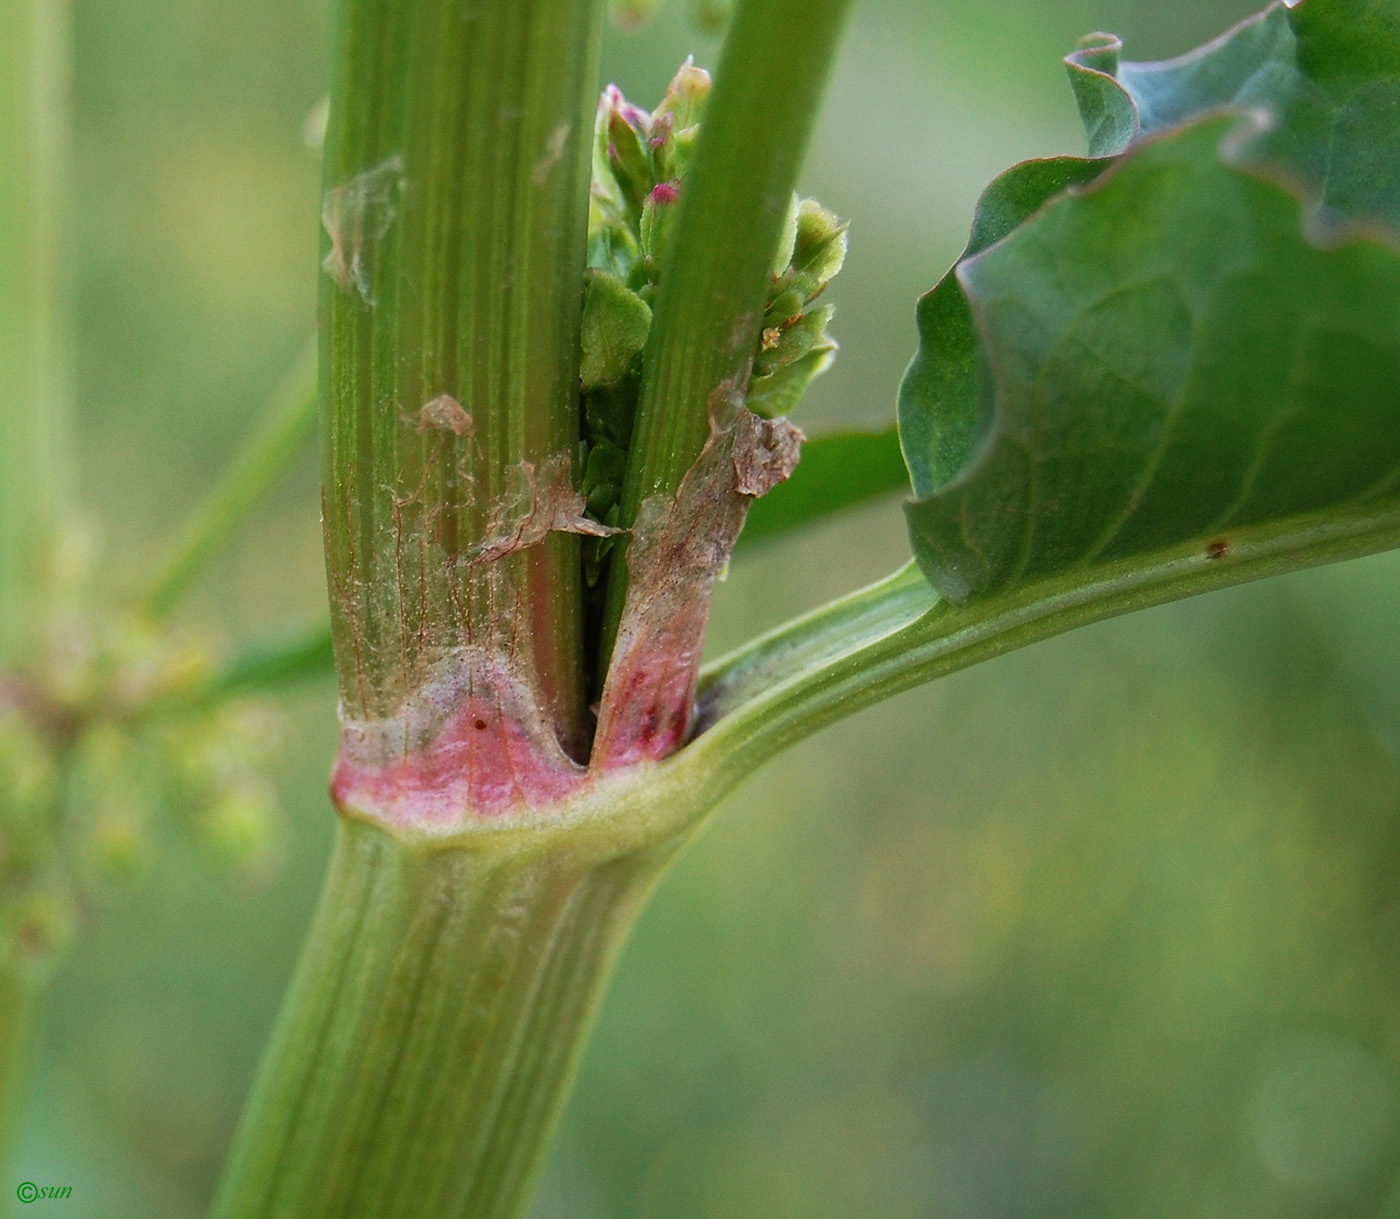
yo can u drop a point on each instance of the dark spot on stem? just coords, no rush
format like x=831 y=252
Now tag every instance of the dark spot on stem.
x=480 y=725
x=1218 y=549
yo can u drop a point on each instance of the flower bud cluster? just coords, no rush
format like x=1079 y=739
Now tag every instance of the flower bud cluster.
x=640 y=161
x=106 y=744
x=35 y=904
x=794 y=346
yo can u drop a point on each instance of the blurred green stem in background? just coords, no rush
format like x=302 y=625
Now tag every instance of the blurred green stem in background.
x=18 y=1000
x=35 y=376
x=35 y=299
x=287 y=422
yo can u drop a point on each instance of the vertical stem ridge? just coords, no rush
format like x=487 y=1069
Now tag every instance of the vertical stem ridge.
x=456 y=214
x=538 y=1105
x=429 y=1037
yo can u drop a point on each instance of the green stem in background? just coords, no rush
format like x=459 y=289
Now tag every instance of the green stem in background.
x=18 y=999
x=456 y=174
x=293 y=656
x=35 y=380
x=35 y=322
x=758 y=120
x=287 y=422
x=434 y=1024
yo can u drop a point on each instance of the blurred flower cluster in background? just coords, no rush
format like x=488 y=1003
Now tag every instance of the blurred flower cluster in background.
x=1110 y=927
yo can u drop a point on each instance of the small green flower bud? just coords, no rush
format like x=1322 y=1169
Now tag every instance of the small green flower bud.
x=675 y=123
x=820 y=247
x=614 y=329
x=628 y=155
x=787 y=239
x=658 y=218
x=673 y=159
x=794 y=342
x=779 y=392
x=685 y=98
x=784 y=307
x=602 y=480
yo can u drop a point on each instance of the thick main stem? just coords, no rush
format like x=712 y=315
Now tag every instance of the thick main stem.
x=434 y=1024
x=455 y=216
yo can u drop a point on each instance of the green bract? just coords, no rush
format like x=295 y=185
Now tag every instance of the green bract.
x=1140 y=353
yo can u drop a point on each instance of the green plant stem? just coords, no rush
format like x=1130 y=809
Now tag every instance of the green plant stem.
x=898 y=634
x=19 y=999
x=456 y=175
x=759 y=118
x=427 y=1042
x=285 y=425
x=35 y=363
x=805 y=499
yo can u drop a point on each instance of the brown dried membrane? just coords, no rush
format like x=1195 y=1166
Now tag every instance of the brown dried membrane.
x=678 y=549
x=444 y=413
x=544 y=501
x=553 y=150
x=357 y=215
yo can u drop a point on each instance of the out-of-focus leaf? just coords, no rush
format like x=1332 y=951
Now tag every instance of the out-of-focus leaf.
x=1164 y=357
x=1326 y=72
x=836 y=472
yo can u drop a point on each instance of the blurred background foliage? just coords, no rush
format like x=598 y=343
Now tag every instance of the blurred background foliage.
x=1105 y=928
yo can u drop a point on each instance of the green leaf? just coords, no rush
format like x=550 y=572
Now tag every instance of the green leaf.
x=1327 y=73
x=1165 y=358
x=836 y=472
x=940 y=410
